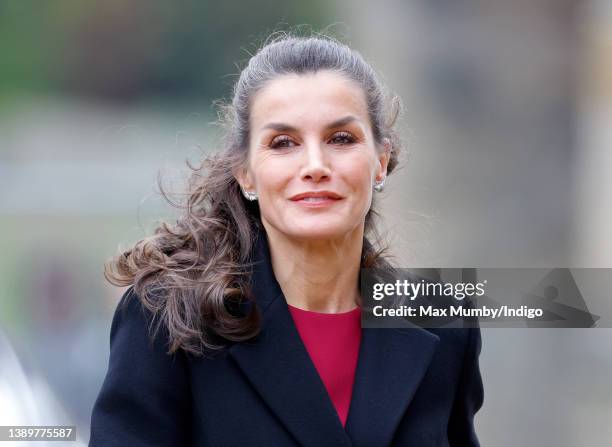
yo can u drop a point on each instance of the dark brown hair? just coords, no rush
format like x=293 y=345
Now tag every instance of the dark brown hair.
x=188 y=273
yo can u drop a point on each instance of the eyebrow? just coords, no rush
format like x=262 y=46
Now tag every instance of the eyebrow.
x=282 y=127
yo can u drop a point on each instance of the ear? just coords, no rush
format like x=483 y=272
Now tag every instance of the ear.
x=244 y=178
x=383 y=159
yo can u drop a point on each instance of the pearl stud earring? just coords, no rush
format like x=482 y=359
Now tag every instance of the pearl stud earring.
x=379 y=185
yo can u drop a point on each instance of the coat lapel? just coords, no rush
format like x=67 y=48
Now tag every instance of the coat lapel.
x=390 y=367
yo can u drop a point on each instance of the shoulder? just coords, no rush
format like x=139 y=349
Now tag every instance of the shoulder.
x=137 y=350
x=133 y=325
x=457 y=343
x=460 y=343
x=145 y=396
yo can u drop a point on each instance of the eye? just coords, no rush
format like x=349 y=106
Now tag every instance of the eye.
x=342 y=138
x=280 y=142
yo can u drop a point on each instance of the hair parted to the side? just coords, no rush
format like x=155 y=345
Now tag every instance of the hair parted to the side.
x=188 y=274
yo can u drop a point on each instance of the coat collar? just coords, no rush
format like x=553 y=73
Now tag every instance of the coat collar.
x=390 y=366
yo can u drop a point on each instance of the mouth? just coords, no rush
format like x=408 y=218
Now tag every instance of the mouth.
x=314 y=198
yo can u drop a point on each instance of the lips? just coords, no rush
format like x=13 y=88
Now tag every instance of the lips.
x=316 y=196
x=316 y=199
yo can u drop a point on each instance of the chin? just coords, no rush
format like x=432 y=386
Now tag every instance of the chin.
x=315 y=232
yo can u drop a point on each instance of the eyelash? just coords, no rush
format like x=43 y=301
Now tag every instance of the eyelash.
x=284 y=138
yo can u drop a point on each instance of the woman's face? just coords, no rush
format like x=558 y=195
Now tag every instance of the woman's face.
x=312 y=157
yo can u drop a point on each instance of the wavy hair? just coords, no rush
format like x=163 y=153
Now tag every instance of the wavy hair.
x=191 y=273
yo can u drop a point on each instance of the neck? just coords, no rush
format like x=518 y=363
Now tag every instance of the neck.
x=321 y=275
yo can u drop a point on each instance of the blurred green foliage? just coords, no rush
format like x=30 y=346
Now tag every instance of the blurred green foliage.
x=134 y=50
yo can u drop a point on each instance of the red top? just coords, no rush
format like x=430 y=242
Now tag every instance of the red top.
x=332 y=341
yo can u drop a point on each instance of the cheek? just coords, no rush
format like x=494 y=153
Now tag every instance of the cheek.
x=262 y=168
x=271 y=176
x=359 y=172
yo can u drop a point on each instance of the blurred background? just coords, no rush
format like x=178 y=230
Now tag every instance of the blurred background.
x=508 y=125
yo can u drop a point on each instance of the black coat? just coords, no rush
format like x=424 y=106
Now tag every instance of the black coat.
x=413 y=387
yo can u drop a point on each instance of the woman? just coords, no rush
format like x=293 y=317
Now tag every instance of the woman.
x=253 y=299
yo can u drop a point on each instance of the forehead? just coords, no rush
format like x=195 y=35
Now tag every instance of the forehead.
x=308 y=99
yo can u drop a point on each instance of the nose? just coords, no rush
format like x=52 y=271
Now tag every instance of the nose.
x=315 y=166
